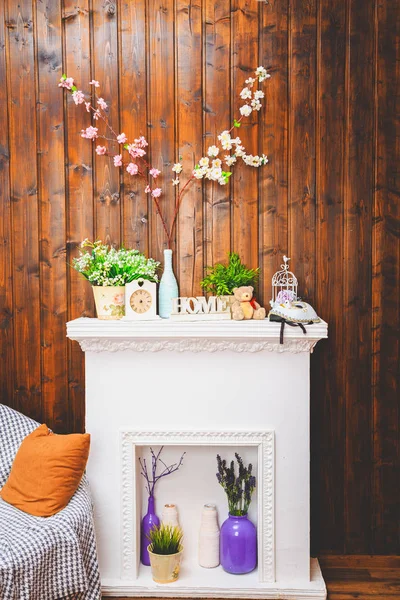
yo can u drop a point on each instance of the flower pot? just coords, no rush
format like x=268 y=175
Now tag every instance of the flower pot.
x=238 y=545
x=110 y=301
x=165 y=567
x=168 y=287
x=149 y=521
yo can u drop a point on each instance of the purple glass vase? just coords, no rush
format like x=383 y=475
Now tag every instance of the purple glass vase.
x=149 y=521
x=238 y=545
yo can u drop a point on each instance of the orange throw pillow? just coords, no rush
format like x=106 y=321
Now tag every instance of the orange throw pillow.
x=46 y=471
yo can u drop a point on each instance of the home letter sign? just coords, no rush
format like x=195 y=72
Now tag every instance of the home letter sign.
x=200 y=309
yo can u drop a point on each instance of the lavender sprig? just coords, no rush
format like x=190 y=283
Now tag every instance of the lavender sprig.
x=238 y=489
x=152 y=479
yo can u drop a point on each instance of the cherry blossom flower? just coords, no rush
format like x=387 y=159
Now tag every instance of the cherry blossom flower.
x=156 y=193
x=197 y=173
x=258 y=94
x=117 y=160
x=175 y=181
x=132 y=169
x=245 y=110
x=154 y=173
x=78 y=97
x=67 y=83
x=230 y=160
x=147 y=189
x=95 y=83
x=121 y=138
x=101 y=150
x=102 y=103
x=134 y=151
x=250 y=81
x=96 y=115
x=213 y=151
x=89 y=133
x=87 y=105
x=177 y=168
x=141 y=142
x=222 y=181
x=245 y=93
x=216 y=163
x=262 y=74
x=204 y=162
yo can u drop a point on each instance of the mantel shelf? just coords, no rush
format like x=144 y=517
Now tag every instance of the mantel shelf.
x=95 y=335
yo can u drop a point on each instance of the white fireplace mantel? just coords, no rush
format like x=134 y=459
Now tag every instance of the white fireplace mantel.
x=202 y=388
x=95 y=335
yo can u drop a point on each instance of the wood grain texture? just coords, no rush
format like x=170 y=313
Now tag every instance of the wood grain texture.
x=386 y=278
x=328 y=405
x=79 y=190
x=217 y=117
x=52 y=243
x=189 y=143
x=273 y=135
x=245 y=23
x=133 y=46
x=104 y=68
x=6 y=267
x=329 y=198
x=25 y=210
x=358 y=200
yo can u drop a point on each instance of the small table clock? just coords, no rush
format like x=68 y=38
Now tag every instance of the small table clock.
x=141 y=300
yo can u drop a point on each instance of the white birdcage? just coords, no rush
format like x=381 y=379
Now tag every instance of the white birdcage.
x=284 y=285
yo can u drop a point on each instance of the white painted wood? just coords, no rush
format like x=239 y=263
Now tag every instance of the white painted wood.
x=219 y=585
x=143 y=377
x=95 y=335
x=200 y=308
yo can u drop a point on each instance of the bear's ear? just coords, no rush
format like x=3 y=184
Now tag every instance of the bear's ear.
x=234 y=290
x=251 y=287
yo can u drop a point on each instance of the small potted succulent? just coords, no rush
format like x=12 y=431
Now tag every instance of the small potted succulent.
x=238 y=541
x=108 y=270
x=222 y=279
x=165 y=551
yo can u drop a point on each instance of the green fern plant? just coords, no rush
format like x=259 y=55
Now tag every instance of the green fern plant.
x=165 y=539
x=222 y=279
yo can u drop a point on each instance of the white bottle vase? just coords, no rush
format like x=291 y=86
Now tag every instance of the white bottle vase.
x=170 y=515
x=209 y=537
x=168 y=287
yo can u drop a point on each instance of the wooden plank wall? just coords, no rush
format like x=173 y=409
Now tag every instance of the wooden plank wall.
x=329 y=198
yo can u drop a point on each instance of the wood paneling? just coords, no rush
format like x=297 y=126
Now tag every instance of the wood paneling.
x=329 y=198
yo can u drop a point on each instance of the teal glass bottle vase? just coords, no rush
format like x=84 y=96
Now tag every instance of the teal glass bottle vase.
x=168 y=287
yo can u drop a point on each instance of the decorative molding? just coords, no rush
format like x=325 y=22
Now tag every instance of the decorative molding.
x=263 y=440
x=95 y=335
x=194 y=345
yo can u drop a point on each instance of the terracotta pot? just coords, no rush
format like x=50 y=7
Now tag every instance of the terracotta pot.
x=165 y=567
x=110 y=301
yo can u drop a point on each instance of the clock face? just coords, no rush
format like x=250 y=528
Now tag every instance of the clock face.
x=141 y=301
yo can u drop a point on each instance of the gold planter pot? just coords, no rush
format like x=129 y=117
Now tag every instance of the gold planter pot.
x=165 y=567
x=110 y=301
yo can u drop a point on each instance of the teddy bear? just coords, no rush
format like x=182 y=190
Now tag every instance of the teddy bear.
x=245 y=306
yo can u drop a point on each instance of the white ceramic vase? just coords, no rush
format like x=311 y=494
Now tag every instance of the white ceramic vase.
x=209 y=537
x=170 y=515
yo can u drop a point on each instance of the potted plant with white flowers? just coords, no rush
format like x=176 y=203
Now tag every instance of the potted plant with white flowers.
x=109 y=270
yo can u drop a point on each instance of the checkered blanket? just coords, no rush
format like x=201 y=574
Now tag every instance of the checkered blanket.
x=44 y=558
